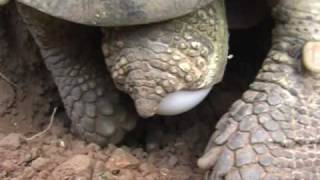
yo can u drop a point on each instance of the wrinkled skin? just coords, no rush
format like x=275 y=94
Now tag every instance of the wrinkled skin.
x=272 y=132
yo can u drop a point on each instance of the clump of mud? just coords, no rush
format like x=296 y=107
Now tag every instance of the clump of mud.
x=158 y=149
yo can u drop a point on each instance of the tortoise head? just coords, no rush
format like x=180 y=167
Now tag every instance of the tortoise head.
x=115 y=12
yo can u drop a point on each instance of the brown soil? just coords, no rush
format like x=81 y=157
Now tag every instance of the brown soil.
x=159 y=148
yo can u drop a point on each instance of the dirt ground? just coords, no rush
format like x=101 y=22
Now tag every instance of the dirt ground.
x=158 y=149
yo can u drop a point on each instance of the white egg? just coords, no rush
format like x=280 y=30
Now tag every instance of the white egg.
x=181 y=101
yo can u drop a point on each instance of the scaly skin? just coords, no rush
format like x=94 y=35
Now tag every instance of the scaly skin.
x=272 y=132
x=149 y=62
x=91 y=101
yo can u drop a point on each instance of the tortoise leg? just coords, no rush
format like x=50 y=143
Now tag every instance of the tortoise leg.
x=89 y=97
x=272 y=132
x=162 y=64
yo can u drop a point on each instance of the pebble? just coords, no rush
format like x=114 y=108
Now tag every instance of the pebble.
x=12 y=141
x=120 y=159
x=78 y=165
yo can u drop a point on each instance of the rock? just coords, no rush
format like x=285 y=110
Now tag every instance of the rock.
x=12 y=141
x=121 y=159
x=146 y=168
x=124 y=174
x=172 y=161
x=8 y=165
x=77 y=166
x=39 y=163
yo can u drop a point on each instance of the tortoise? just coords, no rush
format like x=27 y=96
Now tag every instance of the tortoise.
x=157 y=64
x=160 y=52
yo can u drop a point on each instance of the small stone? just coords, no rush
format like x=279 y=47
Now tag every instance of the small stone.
x=146 y=168
x=78 y=165
x=172 y=161
x=12 y=141
x=8 y=165
x=121 y=159
x=39 y=163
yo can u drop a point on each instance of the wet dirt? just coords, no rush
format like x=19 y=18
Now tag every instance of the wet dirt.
x=158 y=149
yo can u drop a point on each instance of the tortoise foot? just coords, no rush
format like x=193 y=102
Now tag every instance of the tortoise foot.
x=272 y=132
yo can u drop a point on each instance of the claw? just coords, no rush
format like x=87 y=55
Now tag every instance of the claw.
x=209 y=159
x=311 y=56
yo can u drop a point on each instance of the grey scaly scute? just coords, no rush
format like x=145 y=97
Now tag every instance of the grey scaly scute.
x=116 y=12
